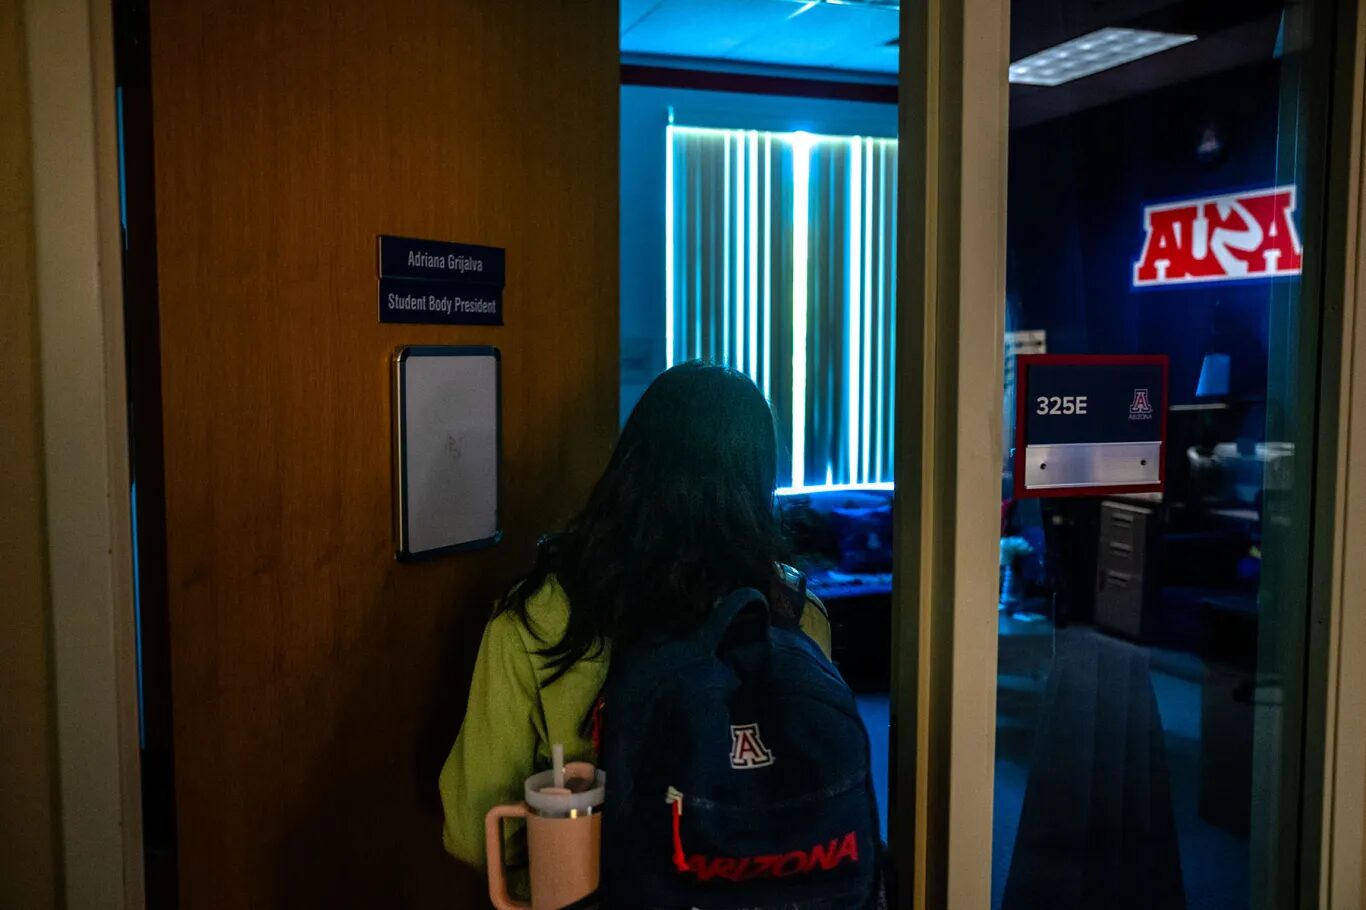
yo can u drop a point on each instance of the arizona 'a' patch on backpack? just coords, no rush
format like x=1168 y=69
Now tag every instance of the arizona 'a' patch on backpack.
x=739 y=772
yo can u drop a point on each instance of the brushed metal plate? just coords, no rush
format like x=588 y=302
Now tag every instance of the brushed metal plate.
x=1100 y=464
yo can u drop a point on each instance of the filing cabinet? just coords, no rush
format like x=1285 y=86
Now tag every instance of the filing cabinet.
x=1125 y=575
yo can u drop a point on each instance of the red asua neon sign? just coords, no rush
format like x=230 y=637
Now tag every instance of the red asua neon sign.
x=1234 y=237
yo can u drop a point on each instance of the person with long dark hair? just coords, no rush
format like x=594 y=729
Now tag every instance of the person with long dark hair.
x=683 y=515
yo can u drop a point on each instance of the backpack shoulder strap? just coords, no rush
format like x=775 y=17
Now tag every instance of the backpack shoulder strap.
x=728 y=610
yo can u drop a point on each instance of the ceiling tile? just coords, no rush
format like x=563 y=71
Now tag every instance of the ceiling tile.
x=702 y=28
x=632 y=11
x=779 y=32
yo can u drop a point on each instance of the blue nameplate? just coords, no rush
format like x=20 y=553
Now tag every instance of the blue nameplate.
x=409 y=257
x=439 y=302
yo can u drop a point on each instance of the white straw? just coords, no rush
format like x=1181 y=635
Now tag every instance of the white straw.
x=557 y=751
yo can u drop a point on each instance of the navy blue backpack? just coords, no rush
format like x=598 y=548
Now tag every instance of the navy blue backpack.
x=738 y=772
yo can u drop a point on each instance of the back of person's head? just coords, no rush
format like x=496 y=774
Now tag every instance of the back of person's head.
x=682 y=515
x=696 y=459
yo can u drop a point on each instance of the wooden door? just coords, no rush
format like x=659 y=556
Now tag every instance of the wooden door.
x=316 y=683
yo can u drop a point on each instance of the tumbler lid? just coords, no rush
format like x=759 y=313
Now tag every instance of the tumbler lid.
x=558 y=803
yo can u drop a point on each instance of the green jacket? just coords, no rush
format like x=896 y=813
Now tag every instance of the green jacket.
x=513 y=718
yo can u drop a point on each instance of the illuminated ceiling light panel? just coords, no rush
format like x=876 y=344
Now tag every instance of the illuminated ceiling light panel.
x=1091 y=54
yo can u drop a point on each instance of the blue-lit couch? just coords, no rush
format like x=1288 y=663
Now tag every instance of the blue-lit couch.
x=843 y=542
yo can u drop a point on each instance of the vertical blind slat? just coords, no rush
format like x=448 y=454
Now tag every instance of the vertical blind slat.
x=733 y=263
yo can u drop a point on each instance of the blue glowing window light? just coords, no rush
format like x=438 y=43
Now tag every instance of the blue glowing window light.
x=780 y=262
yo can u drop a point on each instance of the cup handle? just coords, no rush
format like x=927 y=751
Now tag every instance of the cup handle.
x=493 y=844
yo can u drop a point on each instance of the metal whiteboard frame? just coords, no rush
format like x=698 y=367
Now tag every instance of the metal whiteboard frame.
x=400 y=451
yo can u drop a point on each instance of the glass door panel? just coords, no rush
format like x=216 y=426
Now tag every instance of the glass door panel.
x=1151 y=648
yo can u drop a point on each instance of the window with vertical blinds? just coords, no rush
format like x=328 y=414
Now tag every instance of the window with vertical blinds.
x=780 y=262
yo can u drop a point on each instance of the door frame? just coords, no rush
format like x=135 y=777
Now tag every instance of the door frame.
x=1342 y=883
x=953 y=138
x=90 y=556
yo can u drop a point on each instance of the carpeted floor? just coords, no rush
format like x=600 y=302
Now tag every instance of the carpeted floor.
x=1097 y=783
x=875 y=709
x=1113 y=814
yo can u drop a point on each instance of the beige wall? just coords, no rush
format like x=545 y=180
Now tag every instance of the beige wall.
x=1352 y=690
x=28 y=854
x=1344 y=885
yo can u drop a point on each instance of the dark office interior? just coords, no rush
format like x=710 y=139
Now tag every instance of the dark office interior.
x=1128 y=625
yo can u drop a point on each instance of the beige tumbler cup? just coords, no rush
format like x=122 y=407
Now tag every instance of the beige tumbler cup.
x=564 y=834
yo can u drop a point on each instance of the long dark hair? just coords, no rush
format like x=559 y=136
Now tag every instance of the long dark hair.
x=683 y=514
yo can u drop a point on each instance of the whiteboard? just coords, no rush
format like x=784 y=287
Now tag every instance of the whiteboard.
x=447 y=449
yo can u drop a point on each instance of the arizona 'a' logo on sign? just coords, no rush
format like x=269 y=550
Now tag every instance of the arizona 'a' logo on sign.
x=1141 y=409
x=1235 y=237
x=747 y=750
